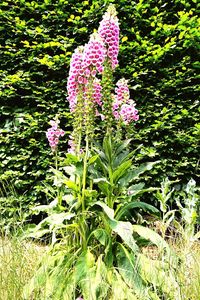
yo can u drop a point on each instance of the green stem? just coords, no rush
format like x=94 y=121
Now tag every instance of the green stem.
x=110 y=202
x=56 y=164
x=85 y=172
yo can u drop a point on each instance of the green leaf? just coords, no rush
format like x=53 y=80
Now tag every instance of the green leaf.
x=121 y=170
x=136 y=204
x=93 y=159
x=125 y=231
x=122 y=146
x=135 y=173
x=107 y=146
x=104 y=187
x=85 y=262
x=71 y=185
x=197 y=235
x=90 y=193
x=101 y=235
x=159 y=275
x=128 y=268
x=108 y=211
x=155 y=239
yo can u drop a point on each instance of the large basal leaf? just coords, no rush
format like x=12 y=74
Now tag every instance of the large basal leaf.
x=129 y=270
x=136 y=204
x=90 y=276
x=120 y=290
x=101 y=235
x=46 y=208
x=157 y=240
x=54 y=221
x=85 y=262
x=99 y=285
x=125 y=231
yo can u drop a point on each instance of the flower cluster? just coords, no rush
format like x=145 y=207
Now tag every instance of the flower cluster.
x=109 y=32
x=72 y=145
x=123 y=106
x=85 y=63
x=53 y=134
x=97 y=95
x=94 y=55
x=74 y=78
x=129 y=113
x=86 y=92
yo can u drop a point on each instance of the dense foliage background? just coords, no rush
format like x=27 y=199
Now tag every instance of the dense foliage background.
x=158 y=54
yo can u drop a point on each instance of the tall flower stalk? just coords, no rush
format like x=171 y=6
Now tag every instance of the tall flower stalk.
x=91 y=93
x=109 y=32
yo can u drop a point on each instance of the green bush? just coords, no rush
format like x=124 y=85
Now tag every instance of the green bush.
x=158 y=54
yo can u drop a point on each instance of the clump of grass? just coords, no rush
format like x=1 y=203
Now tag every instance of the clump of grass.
x=188 y=271
x=18 y=262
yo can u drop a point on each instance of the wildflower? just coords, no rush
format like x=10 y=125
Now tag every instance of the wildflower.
x=97 y=95
x=94 y=55
x=109 y=32
x=75 y=77
x=53 y=134
x=123 y=107
x=128 y=113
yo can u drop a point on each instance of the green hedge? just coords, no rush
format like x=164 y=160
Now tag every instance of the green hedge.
x=158 y=53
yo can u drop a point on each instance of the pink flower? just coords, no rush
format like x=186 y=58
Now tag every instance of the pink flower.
x=109 y=32
x=75 y=77
x=123 y=107
x=128 y=113
x=97 y=92
x=53 y=134
x=94 y=54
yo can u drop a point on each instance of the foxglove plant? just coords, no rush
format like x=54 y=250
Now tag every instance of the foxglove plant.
x=84 y=89
x=124 y=107
x=109 y=32
x=93 y=223
x=53 y=134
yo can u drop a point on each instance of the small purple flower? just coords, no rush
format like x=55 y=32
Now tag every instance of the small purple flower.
x=53 y=134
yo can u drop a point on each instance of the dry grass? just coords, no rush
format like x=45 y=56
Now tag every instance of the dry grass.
x=18 y=262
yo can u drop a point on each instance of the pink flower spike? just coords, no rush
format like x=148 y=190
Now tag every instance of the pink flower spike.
x=109 y=32
x=53 y=134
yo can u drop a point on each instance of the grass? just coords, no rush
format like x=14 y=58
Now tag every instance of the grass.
x=188 y=275
x=19 y=261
